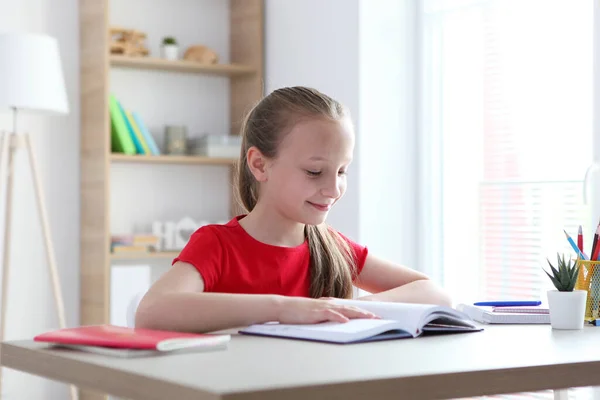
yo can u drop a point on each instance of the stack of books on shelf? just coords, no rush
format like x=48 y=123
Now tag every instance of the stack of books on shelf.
x=133 y=244
x=128 y=133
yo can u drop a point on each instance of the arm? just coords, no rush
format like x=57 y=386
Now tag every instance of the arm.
x=391 y=282
x=177 y=302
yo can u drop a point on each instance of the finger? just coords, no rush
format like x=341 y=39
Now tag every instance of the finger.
x=333 y=315
x=355 y=312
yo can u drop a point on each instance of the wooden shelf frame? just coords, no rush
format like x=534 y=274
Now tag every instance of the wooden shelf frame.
x=144 y=256
x=171 y=159
x=159 y=64
x=246 y=76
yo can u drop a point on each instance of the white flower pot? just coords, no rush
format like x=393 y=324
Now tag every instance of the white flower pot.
x=170 y=51
x=567 y=309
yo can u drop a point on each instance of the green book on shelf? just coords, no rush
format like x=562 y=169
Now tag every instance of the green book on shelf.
x=136 y=134
x=121 y=141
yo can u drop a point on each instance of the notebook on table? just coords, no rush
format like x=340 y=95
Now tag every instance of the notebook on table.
x=398 y=321
x=120 y=341
x=488 y=315
x=521 y=310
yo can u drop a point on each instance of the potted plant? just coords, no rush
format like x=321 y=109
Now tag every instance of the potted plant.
x=170 y=48
x=567 y=306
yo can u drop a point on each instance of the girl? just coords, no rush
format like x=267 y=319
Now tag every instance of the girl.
x=280 y=261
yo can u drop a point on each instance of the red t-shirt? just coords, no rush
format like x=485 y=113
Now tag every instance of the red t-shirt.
x=231 y=261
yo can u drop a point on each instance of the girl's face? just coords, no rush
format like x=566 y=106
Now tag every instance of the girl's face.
x=308 y=176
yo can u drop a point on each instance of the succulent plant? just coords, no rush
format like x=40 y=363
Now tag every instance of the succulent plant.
x=565 y=275
x=169 y=40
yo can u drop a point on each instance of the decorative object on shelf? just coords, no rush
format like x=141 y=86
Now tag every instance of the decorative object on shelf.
x=567 y=306
x=31 y=79
x=128 y=42
x=175 y=235
x=201 y=54
x=222 y=146
x=184 y=229
x=169 y=48
x=166 y=234
x=176 y=139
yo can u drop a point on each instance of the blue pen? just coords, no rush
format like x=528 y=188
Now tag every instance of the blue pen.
x=580 y=254
x=508 y=303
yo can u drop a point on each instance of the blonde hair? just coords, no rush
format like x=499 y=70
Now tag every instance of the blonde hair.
x=332 y=265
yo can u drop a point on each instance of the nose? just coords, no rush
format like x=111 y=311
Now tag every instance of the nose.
x=332 y=188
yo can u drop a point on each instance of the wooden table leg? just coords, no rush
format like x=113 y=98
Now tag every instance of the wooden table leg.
x=7 y=142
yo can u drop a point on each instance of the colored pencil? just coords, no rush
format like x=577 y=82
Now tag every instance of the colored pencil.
x=580 y=254
x=595 y=246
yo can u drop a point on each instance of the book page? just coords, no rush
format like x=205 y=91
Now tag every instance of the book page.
x=413 y=316
x=344 y=332
x=352 y=326
x=410 y=315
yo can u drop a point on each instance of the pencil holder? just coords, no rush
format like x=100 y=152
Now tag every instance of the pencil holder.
x=588 y=279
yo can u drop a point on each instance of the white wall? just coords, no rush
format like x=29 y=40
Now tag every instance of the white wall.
x=56 y=141
x=388 y=151
x=359 y=53
x=315 y=43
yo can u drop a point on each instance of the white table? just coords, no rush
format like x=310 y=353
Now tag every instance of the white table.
x=501 y=359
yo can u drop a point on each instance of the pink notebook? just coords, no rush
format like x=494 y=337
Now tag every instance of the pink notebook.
x=129 y=342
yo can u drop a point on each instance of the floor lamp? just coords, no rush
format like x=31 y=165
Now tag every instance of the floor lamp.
x=31 y=80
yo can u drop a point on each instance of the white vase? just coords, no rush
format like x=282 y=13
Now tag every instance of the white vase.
x=170 y=51
x=567 y=309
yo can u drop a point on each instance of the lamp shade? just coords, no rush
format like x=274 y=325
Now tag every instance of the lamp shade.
x=31 y=76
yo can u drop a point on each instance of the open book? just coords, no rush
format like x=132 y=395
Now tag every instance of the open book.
x=398 y=320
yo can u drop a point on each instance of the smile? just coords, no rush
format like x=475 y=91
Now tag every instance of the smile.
x=321 y=207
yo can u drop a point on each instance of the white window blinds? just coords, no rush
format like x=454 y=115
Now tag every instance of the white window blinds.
x=506 y=122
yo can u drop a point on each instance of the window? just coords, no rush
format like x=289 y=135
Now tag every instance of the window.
x=506 y=136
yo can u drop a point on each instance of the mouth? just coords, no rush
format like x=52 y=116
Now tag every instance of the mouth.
x=320 y=207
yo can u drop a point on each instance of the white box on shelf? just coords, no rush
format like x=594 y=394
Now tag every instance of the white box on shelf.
x=227 y=146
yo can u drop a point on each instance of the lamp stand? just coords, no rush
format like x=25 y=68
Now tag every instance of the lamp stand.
x=13 y=142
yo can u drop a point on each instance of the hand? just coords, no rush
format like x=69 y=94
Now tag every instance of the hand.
x=301 y=310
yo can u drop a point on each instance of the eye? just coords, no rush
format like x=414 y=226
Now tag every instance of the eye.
x=342 y=172
x=313 y=173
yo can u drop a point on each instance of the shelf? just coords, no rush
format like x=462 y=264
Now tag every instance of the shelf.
x=169 y=159
x=180 y=66
x=142 y=256
x=106 y=175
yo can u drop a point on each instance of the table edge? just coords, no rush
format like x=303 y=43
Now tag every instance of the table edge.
x=45 y=363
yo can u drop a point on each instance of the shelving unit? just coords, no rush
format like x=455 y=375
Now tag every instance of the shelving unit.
x=244 y=74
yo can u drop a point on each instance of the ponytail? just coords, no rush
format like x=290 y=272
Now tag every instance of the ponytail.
x=332 y=264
